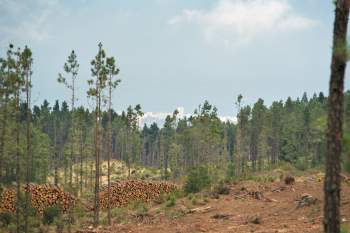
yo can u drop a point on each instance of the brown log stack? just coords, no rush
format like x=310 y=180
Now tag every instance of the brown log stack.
x=42 y=196
x=123 y=192
x=47 y=195
x=8 y=200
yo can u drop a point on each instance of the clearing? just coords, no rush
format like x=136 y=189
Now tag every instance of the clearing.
x=250 y=206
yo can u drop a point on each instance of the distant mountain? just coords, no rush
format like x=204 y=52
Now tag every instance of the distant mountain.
x=159 y=117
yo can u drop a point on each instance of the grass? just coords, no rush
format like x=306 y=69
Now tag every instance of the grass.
x=344 y=229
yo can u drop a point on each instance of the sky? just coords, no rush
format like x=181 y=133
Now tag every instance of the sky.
x=177 y=53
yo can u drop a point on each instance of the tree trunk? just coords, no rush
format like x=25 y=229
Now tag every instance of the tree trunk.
x=29 y=149
x=97 y=155
x=109 y=152
x=56 y=153
x=18 y=168
x=3 y=134
x=335 y=117
x=81 y=162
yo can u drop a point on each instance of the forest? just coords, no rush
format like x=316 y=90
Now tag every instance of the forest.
x=70 y=168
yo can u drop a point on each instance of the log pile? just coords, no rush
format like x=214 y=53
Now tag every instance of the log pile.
x=133 y=190
x=8 y=200
x=43 y=196
x=47 y=195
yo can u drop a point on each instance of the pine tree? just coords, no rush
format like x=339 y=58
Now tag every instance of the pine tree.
x=98 y=84
x=71 y=67
x=258 y=115
x=6 y=91
x=112 y=71
x=17 y=81
x=26 y=63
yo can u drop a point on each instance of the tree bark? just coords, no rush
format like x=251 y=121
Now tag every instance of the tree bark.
x=56 y=159
x=97 y=156
x=335 y=118
x=18 y=166
x=29 y=148
x=81 y=151
x=3 y=133
x=109 y=151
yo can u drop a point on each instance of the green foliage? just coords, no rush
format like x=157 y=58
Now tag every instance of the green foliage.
x=171 y=201
x=197 y=180
x=51 y=214
x=194 y=199
x=221 y=188
x=139 y=207
x=344 y=229
x=231 y=171
x=346 y=154
x=302 y=164
x=6 y=219
x=119 y=214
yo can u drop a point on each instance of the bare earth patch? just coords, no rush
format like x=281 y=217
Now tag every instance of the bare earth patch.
x=250 y=207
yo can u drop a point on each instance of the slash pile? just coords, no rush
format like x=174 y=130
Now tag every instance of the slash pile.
x=8 y=200
x=133 y=190
x=46 y=195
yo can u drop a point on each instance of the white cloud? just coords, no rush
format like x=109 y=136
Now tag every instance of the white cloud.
x=159 y=117
x=26 y=19
x=240 y=21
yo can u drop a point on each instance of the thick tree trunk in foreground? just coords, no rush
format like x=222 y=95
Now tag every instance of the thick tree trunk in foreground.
x=335 y=117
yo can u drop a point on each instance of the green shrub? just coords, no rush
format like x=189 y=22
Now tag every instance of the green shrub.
x=190 y=196
x=197 y=180
x=198 y=199
x=139 y=207
x=171 y=201
x=178 y=193
x=50 y=214
x=119 y=215
x=194 y=200
x=344 y=229
x=302 y=163
x=222 y=188
x=161 y=199
x=230 y=171
x=80 y=211
x=6 y=219
x=346 y=154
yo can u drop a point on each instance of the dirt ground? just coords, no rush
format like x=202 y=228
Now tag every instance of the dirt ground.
x=249 y=207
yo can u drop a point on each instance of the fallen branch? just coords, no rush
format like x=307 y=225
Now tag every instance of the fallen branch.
x=200 y=210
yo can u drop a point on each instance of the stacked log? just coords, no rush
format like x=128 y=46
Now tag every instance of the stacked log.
x=124 y=192
x=47 y=195
x=8 y=200
x=43 y=196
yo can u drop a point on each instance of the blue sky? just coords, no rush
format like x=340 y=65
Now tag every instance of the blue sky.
x=174 y=53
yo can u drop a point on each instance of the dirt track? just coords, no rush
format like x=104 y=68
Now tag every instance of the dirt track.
x=277 y=211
